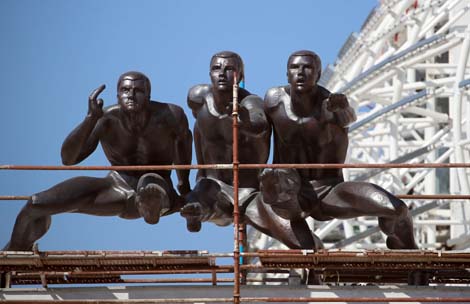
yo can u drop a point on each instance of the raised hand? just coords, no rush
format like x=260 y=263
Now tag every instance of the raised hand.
x=95 y=105
x=337 y=102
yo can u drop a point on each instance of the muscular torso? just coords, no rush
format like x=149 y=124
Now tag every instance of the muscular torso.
x=310 y=139
x=153 y=144
x=213 y=139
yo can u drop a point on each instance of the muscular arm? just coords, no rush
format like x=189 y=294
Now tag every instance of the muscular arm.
x=272 y=99
x=83 y=140
x=343 y=113
x=252 y=119
x=183 y=150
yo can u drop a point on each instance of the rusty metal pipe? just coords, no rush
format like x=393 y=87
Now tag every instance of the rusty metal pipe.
x=358 y=299
x=400 y=196
x=117 y=168
x=189 y=280
x=14 y=198
x=252 y=299
x=114 y=301
x=353 y=166
x=83 y=273
x=230 y=166
x=236 y=215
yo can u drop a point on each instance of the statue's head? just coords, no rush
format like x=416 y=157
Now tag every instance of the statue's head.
x=133 y=91
x=222 y=68
x=303 y=70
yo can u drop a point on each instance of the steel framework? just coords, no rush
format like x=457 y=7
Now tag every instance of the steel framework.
x=407 y=74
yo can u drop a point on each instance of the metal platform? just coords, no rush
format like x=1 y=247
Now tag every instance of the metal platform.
x=337 y=266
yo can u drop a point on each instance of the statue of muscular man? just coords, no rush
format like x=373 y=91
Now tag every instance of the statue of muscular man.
x=212 y=197
x=135 y=131
x=310 y=126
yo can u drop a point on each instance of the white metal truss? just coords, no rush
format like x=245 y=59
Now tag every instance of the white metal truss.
x=407 y=73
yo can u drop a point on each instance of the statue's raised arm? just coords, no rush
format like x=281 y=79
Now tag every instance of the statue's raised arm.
x=83 y=140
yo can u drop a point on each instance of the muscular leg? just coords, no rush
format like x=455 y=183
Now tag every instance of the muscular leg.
x=152 y=198
x=209 y=201
x=74 y=195
x=353 y=199
x=295 y=234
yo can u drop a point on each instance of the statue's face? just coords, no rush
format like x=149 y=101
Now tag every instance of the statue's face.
x=302 y=73
x=133 y=95
x=222 y=72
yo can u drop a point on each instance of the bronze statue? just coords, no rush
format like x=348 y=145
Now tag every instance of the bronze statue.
x=212 y=197
x=310 y=126
x=136 y=131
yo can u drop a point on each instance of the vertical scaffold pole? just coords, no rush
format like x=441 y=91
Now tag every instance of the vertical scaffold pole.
x=236 y=215
x=243 y=242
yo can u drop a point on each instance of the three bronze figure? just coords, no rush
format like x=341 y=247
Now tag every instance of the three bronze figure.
x=308 y=124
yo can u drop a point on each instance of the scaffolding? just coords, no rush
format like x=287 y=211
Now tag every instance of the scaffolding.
x=410 y=94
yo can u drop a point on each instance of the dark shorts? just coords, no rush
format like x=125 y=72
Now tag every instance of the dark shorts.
x=127 y=187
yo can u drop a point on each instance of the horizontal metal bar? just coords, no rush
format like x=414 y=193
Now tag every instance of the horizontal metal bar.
x=357 y=299
x=133 y=301
x=117 y=168
x=255 y=299
x=230 y=166
x=401 y=196
x=188 y=280
x=14 y=198
x=357 y=166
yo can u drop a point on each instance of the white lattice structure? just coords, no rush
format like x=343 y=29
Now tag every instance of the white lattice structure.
x=407 y=74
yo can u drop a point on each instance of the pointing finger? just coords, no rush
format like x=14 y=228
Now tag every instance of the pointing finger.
x=97 y=92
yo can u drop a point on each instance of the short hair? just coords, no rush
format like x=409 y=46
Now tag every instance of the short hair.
x=133 y=75
x=316 y=59
x=230 y=54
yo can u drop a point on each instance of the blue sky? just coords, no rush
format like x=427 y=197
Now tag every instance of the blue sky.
x=54 y=53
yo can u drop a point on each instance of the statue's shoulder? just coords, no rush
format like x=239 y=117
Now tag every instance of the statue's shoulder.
x=167 y=109
x=175 y=109
x=109 y=119
x=248 y=99
x=110 y=112
x=323 y=92
x=274 y=96
x=197 y=95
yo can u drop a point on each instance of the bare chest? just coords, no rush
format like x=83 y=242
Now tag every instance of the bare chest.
x=154 y=145
x=214 y=128
x=293 y=130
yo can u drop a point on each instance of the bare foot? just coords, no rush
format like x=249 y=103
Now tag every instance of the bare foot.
x=193 y=214
x=151 y=201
